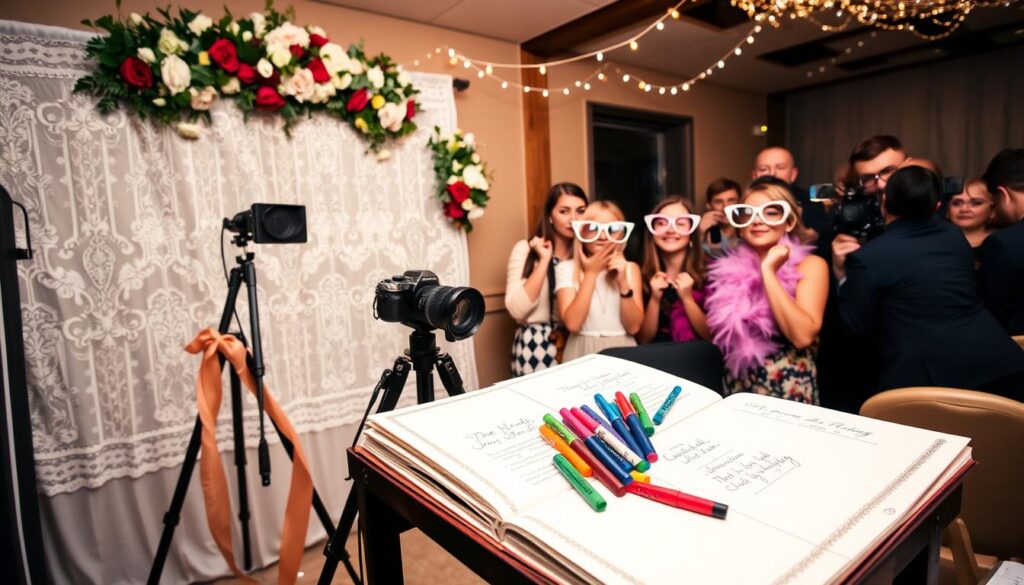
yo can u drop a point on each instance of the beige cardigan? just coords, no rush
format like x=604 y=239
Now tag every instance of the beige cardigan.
x=517 y=302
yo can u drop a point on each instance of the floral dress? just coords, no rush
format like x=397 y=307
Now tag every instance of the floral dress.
x=789 y=373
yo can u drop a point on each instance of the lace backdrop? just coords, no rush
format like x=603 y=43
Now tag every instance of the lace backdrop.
x=125 y=221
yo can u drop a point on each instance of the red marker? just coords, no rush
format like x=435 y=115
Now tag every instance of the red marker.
x=635 y=428
x=600 y=471
x=678 y=499
x=611 y=440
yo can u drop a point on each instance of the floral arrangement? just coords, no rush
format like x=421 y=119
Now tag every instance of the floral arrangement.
x=462 y=182
x=173 y=69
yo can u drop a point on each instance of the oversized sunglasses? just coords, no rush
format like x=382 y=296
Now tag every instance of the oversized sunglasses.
x=589 y=231
x=660 y=224
x=771 y=213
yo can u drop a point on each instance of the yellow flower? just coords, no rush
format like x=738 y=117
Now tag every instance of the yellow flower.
x=204 y=59
x=361 y=124
x=377 y=102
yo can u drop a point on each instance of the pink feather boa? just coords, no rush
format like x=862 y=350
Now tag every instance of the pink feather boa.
x=739 y=315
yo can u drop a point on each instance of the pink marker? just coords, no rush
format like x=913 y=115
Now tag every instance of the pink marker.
x=611 y=440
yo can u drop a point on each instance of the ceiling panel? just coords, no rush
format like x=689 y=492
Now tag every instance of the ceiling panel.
x=419 y=11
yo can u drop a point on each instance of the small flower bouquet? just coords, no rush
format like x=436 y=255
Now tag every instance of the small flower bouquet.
x=174 y=68
x=462 y=183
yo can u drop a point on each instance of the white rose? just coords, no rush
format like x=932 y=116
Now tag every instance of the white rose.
x=199 y=24
x=404 y=78
x=188 y=130
x=234 y=27
x=475 y=158
x=335 y=58
x=300 y=85
x=473 y=176
x=259 y=23
x=146 y=54
x=391 y=116
x=469 y=139
x=376 y=77
x=247 y=36
x=287 y=35
x=452 y=180
x=231 y=87
x=176 y=74
x=264 y=68
x=400 y=93
x=316 y=30
x=468 y=204
x=136 y=18
x=279 y=55
x=322 y=93
x=384 y=154
x=456 y=167
x=203 y=100
x=159 y=102
x=169 y=43
x=475 y=213
x=355 y=67
x=342 y=82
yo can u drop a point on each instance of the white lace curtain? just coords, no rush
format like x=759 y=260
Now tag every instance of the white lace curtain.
x=125 y=220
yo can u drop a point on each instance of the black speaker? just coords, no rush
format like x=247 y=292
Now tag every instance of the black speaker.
x=271 y=223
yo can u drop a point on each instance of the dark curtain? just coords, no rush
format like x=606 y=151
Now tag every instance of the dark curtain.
x=958 y=113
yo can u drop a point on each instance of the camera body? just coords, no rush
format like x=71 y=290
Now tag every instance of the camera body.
x=417 y=299
x=269 y=223
x=858 y=214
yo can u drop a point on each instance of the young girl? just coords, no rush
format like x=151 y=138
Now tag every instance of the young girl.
x=673 y=275
x=767 y=299
x=598 y=290
x=529 y=289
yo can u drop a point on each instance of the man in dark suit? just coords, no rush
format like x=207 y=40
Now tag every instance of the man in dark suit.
x=1001 y=277
x=914 y=285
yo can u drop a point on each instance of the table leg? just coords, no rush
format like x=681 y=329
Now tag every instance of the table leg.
x=924 y=567
x=382 y=544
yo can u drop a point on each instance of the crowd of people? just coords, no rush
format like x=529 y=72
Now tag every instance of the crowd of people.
x=801 y=307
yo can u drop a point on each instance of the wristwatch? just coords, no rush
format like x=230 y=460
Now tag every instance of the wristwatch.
x=627 y=295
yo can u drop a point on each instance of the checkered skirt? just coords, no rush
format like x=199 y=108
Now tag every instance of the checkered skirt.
x=532 y=350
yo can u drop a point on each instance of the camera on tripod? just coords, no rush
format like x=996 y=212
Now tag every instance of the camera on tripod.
x=418 y=300
x=269 y=223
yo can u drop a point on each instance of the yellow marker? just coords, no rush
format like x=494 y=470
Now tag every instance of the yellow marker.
x=552 y=438
x=636 y=475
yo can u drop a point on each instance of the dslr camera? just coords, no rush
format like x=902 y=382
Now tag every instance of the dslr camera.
x=418 y=300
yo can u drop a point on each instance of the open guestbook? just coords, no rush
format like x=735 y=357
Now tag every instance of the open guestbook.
x=811 y=492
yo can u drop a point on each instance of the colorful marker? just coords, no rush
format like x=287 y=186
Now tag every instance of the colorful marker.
x=639 y=435
x=552 y=438
x=619 y=460
x=619 y=478
x=581 y=485
x=645 y=421
x=678 y=499
x=601 y=421
x=598 y=470
x=635 y=461
x=617 y=423
x=669 y=401
x=637 y=476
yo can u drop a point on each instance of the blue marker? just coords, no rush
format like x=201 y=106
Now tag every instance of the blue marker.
x=600 y=420
x=634 y=425
x=597 y=449
x=624 y=465
x=669 y=401
x=617 y=423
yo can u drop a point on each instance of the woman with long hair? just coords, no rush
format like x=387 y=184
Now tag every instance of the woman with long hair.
x=673 y=275
x=529 y=286
x=767 y=299
x=598 y=290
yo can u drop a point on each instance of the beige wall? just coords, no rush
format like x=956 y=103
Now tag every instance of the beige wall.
x=495 y=116
x=723 y=120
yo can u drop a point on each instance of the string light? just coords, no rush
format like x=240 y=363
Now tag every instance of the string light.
x=600 y=56
x=633 y=45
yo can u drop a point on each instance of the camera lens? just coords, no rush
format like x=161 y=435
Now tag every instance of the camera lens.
x=459 y=311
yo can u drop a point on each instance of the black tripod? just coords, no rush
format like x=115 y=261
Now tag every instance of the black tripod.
x=245 y=271
x=422 y=355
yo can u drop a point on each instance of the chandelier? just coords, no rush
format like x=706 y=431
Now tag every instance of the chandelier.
x=928 y=19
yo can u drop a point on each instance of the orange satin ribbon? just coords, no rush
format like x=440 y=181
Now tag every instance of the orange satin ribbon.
x=211 y=471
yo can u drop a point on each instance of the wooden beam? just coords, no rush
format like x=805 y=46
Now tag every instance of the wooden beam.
x=537 y=131
x=603 y=21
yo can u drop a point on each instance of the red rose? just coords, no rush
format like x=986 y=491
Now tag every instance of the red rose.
x=223 y=53
x=454 y=210
x=267 y=98
x=320 y=74
x=317 y=40
x=137 y=73
x=459 y=191
x=410 y=109
x=358 y=101
x=246 y=73
x=297 y=51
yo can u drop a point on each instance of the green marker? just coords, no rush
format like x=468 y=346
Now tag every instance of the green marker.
x=557 y=426
x=581 y=485
x=641 y=412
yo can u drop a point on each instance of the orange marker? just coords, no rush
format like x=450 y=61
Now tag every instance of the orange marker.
x=552 y=438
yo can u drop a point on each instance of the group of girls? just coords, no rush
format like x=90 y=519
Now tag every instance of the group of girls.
x=737 y=276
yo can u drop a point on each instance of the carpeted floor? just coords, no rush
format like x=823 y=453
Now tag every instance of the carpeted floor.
x=423 y=561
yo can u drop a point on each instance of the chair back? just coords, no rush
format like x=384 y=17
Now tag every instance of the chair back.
x=1020 y=340
x=993 y=505
x=697 y=361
